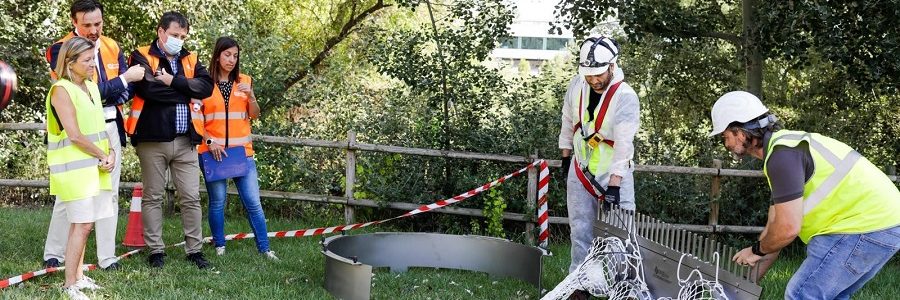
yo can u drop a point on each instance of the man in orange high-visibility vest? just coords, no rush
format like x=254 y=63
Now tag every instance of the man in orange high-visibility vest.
x=112 y=78
x=165 y=127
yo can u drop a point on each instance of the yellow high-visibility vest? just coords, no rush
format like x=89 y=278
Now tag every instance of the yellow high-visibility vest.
x=846 y=193
x=75 y=174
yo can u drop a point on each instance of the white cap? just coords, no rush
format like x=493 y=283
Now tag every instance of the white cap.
x=601 y=54
x=738 y=106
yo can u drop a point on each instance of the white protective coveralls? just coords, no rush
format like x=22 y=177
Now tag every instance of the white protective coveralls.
x=582 y=206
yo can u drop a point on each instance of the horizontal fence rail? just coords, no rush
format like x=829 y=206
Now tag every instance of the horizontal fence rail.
x=351 y=146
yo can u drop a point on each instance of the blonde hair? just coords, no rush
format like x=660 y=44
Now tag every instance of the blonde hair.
x=69 y=52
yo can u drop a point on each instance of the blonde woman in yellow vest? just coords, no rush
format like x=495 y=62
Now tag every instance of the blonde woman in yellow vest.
x=112 y=77
x=227 y=114
x=78 y=155
x=842 y=206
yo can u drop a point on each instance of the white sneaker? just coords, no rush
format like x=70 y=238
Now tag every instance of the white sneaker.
x=86 y=283
x=74 y=293
x=270 y=255
x=220 y=251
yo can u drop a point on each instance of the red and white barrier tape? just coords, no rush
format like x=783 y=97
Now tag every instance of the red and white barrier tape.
x=18 y=279
x=543 y=183
x=543 y=216
x=542 y=194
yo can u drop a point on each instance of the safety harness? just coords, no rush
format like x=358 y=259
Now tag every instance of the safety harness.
x=584 y=175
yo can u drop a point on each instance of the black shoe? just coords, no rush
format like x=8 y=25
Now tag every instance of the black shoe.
x=51 y=263
x=156 y=260
x=113 y=267
x=197 y=259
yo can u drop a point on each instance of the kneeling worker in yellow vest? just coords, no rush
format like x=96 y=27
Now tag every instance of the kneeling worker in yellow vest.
x=840 y=204
x=78 y=155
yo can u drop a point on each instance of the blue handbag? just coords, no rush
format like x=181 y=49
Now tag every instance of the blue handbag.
x=231 y=166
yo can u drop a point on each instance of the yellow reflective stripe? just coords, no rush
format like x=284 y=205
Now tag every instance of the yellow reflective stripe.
x=93 y=138
x=233 y=140
x=74 y=165
x=229 y=116
x=823 y=190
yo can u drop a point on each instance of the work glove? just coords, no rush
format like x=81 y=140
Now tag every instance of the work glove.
x=610 y=197
x=566 y=162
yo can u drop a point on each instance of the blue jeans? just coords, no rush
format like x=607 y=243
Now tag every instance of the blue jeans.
x=248 y=189
x=837 y=265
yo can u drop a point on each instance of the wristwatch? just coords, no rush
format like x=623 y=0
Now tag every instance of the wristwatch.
x=209 y=142
x=755 y=249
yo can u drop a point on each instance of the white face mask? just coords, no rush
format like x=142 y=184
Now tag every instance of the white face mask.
x=173 y=45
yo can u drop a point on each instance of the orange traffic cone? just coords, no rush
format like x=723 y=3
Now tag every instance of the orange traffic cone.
x=134 y=231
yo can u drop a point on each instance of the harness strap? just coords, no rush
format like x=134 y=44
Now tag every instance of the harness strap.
x=592 y=186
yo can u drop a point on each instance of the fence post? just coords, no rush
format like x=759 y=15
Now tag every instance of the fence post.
x=714 y=193
x=350 y=173
x=531 y=201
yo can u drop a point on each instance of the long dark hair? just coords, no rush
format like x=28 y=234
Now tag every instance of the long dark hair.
x=222 y=44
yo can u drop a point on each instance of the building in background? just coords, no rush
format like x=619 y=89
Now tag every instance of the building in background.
x=531 y=40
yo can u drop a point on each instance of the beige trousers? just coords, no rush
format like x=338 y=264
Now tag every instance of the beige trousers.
x=58 y=233
x=180 y=158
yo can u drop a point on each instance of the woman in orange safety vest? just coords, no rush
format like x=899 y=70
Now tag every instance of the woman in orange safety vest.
x=227 y=114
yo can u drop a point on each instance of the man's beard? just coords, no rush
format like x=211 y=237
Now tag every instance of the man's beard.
x=602 y=87
x=745 y=146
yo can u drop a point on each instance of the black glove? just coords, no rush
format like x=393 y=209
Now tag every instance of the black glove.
x=566 y=162
x=610 y=197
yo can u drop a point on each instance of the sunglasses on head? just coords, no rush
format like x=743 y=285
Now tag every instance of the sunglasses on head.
x=591 y=62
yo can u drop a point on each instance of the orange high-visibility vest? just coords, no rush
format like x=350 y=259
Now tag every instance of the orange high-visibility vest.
x=188 y=63
x=229 y=124
x=109 y=53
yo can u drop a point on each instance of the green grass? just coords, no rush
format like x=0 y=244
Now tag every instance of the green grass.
x=242 y=274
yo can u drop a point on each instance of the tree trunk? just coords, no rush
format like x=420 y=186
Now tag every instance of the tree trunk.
x=753 y=60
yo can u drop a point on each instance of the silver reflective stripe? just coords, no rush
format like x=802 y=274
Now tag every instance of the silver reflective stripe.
x=75 y=165
x=841 y=167
x=135 y=113
x=825 y=152
x=223 y=116
x=233 y=141
x=823 y=190
x=67 y=142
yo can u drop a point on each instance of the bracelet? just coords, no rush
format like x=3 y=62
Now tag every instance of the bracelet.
x=755 y=249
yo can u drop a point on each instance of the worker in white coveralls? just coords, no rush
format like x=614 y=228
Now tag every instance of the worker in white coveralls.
x=600 y=116
x=841 y=205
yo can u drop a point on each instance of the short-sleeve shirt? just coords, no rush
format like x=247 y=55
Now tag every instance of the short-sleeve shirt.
x=788 y=170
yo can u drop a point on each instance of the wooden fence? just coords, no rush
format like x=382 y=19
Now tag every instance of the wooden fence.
x=352 y=147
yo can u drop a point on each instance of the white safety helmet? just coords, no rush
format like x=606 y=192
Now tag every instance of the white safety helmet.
x=738 y=106
x=596 y=54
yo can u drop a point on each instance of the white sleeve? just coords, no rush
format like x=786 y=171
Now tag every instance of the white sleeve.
x=565 y=129
x=627 y=122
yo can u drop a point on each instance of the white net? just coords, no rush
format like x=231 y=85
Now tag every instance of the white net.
x=612 y=268
x=699 y=288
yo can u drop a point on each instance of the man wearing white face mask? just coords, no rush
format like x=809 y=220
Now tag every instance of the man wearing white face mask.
x=165 y=126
